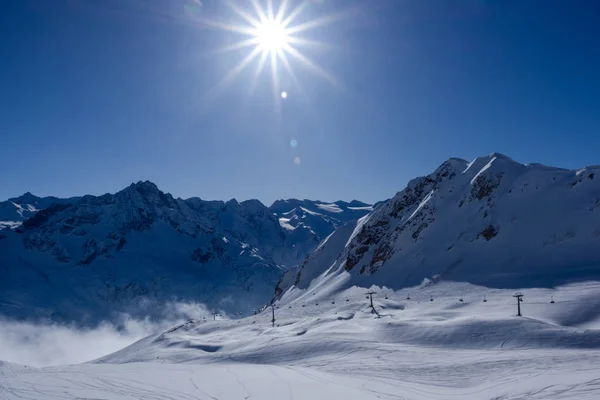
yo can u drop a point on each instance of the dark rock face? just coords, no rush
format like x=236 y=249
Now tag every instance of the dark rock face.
x=489 y=232
x=92 y=250
x=121 y=244
x=377 y=237
x=213 y=250
x=61 y=254
x=484 y=185
x=43 y=216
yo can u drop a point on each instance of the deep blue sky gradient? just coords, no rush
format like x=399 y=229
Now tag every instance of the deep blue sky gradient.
x=97 y=94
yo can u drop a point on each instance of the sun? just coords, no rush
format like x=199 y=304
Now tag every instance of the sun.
x=274 y=38
x=271 y=36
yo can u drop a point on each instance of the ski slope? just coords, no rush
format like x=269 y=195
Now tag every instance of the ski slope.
x=334 y=346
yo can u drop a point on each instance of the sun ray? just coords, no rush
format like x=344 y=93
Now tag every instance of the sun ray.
x=144 y=11
x=249 y=18
x=234 y=72
x=297 y=86
x=315 y=23
x=258 y=70
x=245 y=30
x=288 y=67
x=294 y=14
x=308 y=43
x=274 y=70
x=237 y=46
x=281 y=11
x=259 y=11
x=311 y=65
x=270 y=10
x=271 y=33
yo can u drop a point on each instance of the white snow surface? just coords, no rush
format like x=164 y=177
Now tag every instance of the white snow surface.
x=333 y=346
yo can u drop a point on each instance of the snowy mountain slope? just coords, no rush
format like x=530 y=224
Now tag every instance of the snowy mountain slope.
x=446 y=322
x=337 y=347
x=319 y=217
x=313 y=265
x=308 y=222
x=139 y=251
x=18 y=209
x=492 y=221
x=136 y=251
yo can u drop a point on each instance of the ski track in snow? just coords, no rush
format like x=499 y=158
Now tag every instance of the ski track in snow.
x=417 y=349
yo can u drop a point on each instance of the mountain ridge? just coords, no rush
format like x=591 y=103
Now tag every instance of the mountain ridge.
x=492 y=221
x=139 y=251
x=527 y=224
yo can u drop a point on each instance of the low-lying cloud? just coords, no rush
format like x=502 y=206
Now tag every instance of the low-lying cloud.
x=42 y=344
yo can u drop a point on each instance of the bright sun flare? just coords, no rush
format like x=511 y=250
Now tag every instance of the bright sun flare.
x=274 y=38
x=271 y=36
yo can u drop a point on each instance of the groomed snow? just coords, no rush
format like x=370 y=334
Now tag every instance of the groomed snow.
x=334 y=347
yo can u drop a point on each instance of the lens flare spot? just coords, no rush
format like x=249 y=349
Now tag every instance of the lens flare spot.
x=293 y=143
x=297 y=160
x=284 y=95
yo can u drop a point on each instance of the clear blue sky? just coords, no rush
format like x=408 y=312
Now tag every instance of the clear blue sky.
x=97 y=94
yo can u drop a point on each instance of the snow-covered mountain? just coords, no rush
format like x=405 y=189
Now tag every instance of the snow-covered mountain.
x=308 y=222
x=18 y=209
x=319 y=217
x=446 y=255
x=138 y=251
x=492 y=222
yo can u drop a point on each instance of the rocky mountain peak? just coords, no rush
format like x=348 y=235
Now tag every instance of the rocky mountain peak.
x=145 y=194
x=253 y=204
x=144 y=187
x=492 y=221
x=357 y=203
x=26 y=198
x=232 y=203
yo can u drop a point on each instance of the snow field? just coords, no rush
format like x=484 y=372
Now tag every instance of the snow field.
x=414 y=349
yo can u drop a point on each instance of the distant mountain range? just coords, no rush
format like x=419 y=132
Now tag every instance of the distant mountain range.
x=141 y=251
x=491 y=222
